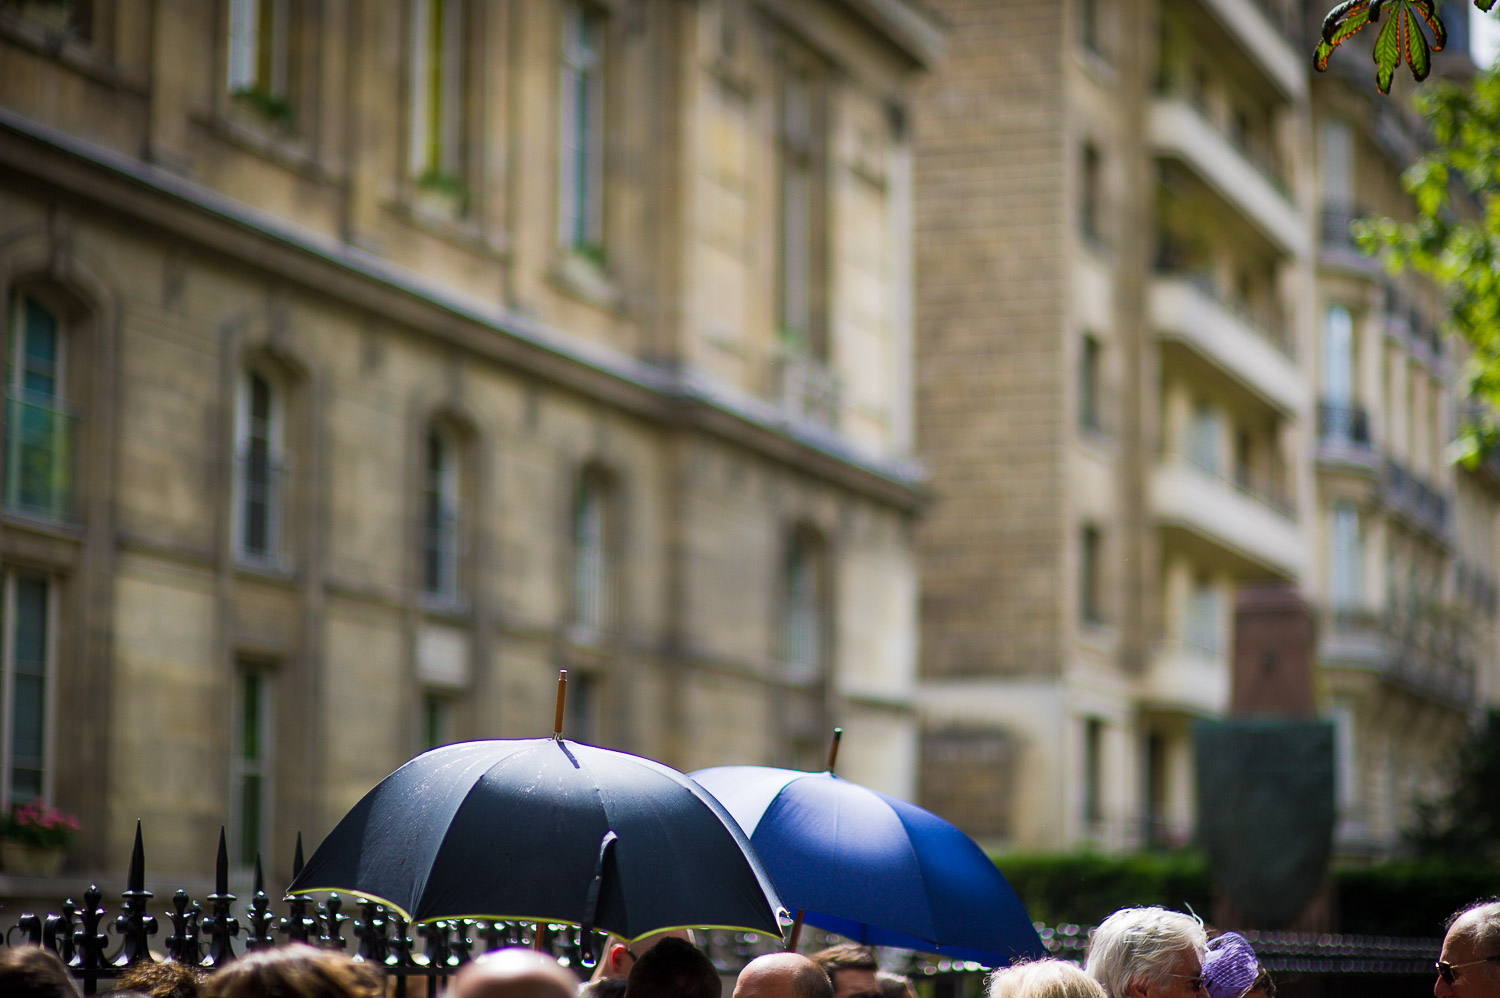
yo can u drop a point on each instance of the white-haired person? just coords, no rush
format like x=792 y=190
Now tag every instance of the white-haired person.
x=1148 y=953
x=1469 y=965
x=1043 y=979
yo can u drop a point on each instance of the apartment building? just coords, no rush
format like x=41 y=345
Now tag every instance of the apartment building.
x=368 y=363
x=1406 y=563
x=1125 y=293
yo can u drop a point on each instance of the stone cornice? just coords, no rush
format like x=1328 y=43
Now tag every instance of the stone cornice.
x=147 y=196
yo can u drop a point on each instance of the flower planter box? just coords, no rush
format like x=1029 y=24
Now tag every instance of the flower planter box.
x=22 y=860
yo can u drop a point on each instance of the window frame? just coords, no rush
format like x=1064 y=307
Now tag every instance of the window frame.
x=61 y=415
x=9 y=578
x=594 y=568
x=254 y=66
x=583 y=59
x=442 y=538
x=274 y=554
x=802 y=236
x=437 y=133
x=805 y=608
x=1091 y=576
x=263 y=768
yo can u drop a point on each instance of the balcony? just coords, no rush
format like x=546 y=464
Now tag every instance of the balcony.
x=1180 y=131
x=1427 y=652
x=1254 y=350
x=1344 y=436
x=1267 y=36
x=1249 y=519
x=40 y=456
x=1336 y=248
x=806 y=389
x=1413 y=498
x=1186 y=677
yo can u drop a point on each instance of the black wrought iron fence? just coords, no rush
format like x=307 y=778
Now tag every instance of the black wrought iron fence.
x=98 y=945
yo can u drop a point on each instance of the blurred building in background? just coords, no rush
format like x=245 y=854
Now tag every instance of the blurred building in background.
x=367 y=363
x=1152 y=370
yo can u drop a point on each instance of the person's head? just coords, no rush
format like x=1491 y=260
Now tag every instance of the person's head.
x=1148 y=953
x=673 y=968
x=603 y=987
x=34 y=972
x=852 y=970
x=619 y=956
x=1469 y=965
x=782 y=975
x=1043 y=979
x=514 y=973
x=1263 y=986
x=894 y=985
x=295 y=971
x=167 y=979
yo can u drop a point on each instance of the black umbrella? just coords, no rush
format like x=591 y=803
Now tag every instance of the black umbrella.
x=547 y=830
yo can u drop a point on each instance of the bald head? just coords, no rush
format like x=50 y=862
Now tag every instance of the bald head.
x=782 y=975
x=514 y=973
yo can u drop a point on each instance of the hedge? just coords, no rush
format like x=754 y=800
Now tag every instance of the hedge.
x=1395 y=898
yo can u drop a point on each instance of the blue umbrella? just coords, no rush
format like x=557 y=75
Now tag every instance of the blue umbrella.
x=874 y=868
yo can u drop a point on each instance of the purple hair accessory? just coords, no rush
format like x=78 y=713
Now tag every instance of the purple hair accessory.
x=1229 y=966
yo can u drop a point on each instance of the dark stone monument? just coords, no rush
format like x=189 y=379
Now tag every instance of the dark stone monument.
x=1266 y=805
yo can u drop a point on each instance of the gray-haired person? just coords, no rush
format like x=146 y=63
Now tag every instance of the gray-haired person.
x=1148 y=953
x=1469 y=965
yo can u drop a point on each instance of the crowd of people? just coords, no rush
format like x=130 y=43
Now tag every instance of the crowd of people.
x=1134 y=953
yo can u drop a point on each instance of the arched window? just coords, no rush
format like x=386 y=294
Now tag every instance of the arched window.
x=441 y=513
x=259 y=442
x=593 y=553
x=804 y=631
x=40 y=425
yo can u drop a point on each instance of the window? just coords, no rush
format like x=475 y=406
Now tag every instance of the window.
x=437 y=83
x=1090 y=37
x=1155 y=795
x=804 y=603
x=250 y=765
x=258 y=452
x=580 y=182
x=25 y=734
x=1090 y=583
x=1338 y=356
x=1200 y=623
x=1345 y=558
x=440 y=516
x=39 y=425
x=1090 y=193
x=1336 y=164
x=1090 y=364
x=437 y=719
x=593 y=588
x=582 y=723
x=1204 y=438
x=1093 y=772
x=800 y=209
x=258 y=48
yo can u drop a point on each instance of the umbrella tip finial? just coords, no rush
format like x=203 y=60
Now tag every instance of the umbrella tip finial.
x=833 y=748
x=562 y=698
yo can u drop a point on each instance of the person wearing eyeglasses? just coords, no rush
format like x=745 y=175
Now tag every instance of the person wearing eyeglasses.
x=1469 y=965
x=1148 y=953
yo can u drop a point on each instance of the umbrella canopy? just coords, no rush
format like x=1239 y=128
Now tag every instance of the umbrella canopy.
x=874 y=868
x=551 y=831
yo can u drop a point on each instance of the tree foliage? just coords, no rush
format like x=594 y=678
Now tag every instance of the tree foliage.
x=1400 y=39
x=1455 y=237
x=1465 y=820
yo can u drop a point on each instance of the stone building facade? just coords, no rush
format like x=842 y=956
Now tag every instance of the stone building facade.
x=368 y=363
x=1124 y=296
